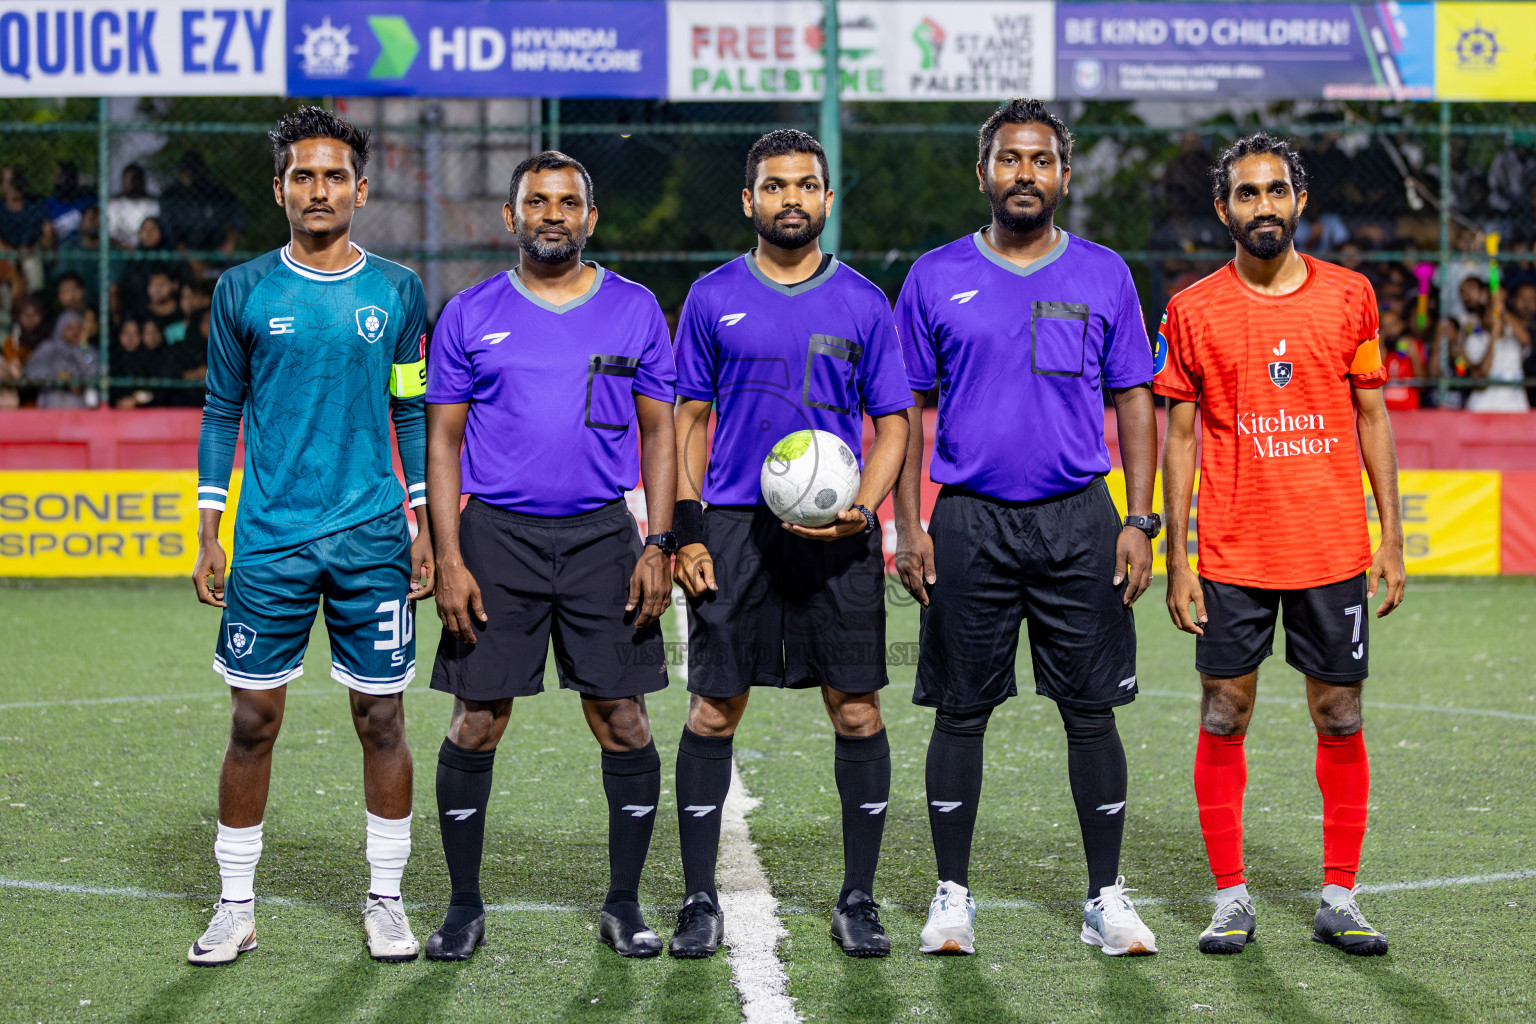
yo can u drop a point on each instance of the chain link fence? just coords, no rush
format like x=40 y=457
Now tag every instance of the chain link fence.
x=187 y=193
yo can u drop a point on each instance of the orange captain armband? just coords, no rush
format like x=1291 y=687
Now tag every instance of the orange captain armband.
x=408 y=380
x=1366 y=368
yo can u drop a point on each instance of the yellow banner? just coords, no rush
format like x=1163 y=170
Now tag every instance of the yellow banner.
x=1450 y=520
x=1485 y=51
x=102 y=523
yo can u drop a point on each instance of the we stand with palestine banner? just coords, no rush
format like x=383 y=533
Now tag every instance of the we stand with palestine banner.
x=689 y=50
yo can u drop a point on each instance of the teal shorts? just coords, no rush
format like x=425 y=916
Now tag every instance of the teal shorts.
x=364 y=575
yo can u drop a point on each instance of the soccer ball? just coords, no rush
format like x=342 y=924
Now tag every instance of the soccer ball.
x=809 y=477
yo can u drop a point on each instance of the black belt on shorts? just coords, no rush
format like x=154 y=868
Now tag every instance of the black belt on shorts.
x=952 y=491
x=607 y=511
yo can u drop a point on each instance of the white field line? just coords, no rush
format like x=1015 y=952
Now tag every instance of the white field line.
x=222 y=693
x=1366 y=703
x=752 y=925
x=135 y=893
x=680 y=627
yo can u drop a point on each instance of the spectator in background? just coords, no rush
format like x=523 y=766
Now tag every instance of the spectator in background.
x=24 y=227
x=1403 y=357
x=68 y=201
x=30 y=329
x=69 y=293
x=135 y=277
x=194 y=299
x=1495 y=348
x=197 y=212
x=64 y=367
x=134 y=355
x=162 y=301
x=24 y=224
x=82 y=253
x=1522 y=311
x=127 y=210
x=189 y=361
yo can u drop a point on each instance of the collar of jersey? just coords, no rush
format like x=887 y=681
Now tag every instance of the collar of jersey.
x=580 y=300
x=815 y=280
x=1013 y=268
x=324 y=275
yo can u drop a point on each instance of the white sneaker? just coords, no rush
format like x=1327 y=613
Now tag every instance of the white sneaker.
x=1111 y=923
x=951 y=926
x=389 y=932
x=231 y=932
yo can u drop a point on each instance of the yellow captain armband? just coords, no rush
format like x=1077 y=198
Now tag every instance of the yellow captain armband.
x=408 y=380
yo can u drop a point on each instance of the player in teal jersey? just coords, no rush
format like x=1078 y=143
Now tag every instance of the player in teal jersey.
x=316 y=347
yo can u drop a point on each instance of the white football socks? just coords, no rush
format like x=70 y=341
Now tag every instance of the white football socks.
x=389 y=847
x=1230 y=893
x=237 y=850
x=1333 y=895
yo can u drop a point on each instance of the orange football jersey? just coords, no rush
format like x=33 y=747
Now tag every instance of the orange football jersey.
x=1280 y=500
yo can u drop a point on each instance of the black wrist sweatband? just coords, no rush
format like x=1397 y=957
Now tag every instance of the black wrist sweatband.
x=688 y=523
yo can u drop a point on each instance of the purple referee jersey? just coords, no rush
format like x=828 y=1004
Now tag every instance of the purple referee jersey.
x=780 y=358
x=552 y=428
x=1018 y=354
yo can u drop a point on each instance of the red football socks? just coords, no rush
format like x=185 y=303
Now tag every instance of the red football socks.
x=1221 y=775
x=1344 y=776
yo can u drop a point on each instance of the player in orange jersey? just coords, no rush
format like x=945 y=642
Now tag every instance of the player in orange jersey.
x=1279 y=354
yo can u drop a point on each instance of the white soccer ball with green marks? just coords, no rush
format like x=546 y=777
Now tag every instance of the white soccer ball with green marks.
x=809 y=477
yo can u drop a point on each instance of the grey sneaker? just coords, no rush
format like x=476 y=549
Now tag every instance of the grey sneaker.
x=231 y=932
x=1231 y=928
x=389 y=932
x=1343 y=925
x=1110 y=922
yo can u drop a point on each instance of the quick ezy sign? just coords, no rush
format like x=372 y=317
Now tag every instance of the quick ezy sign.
x=142 y=47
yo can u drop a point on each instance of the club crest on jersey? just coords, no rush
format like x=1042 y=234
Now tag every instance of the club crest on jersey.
x=1279 y=374
x=241 y=638
x=371 y=321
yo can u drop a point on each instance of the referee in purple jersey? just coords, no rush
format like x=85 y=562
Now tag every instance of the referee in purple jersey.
x=556 y=380
x=781 y=339
x=1020 y=327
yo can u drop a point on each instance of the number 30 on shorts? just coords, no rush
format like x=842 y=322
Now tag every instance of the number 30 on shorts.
x=399 y=626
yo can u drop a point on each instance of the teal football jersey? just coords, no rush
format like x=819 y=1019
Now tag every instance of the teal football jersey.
x=314 y=363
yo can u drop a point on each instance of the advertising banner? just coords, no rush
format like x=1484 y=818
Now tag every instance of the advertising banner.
x=142 y=48
x=102 y=523
x=888 y=49
x=1485 y=51
x=1245 y=50
x=488 y=48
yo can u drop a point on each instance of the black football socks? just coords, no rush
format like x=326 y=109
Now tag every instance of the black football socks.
x=463 y=791
x=954 y=789
x=703 y=779
x=862 y=767
x=632 y=782
x=1096 y=767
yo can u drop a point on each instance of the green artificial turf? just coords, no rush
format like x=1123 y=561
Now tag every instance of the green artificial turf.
x=120 y=795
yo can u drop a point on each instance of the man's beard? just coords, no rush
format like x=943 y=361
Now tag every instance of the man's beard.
x=537 y=249
x=1023 y=223
x=1264 y=247
x=770 y=230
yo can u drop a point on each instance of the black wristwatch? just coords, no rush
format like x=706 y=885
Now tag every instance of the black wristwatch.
x=1151 y=525
x=666 y=541
x=870 y=522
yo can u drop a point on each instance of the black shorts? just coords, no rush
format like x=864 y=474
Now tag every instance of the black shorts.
x=1327 y=630
x=1050 y=563
x=789 y=612
x=566 y=576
